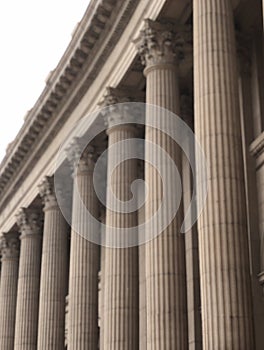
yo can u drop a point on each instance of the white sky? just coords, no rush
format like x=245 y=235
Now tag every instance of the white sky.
x=33 y=36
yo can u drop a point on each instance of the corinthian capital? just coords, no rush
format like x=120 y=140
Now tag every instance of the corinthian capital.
x=9 y=246
x=119 y=107
x=47 y=192
x=81 y=157
x=161 y=44
x=29 y=221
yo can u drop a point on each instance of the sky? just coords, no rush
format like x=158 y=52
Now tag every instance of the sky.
x=33 y=36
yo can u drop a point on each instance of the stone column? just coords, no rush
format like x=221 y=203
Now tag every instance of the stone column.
x=54 y=272
x=101 y=278
x=30 y=225
x=191 y=240
x=223 y=240
x=9 y=245
x=121 y=264
x=165 y=255
x=84 y=257
x=142 y=271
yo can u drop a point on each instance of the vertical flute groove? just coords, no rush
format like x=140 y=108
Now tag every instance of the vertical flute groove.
x=84 y=261
x=54 y=272
x=223 y=246
x=8 y=289
x=121 y=285
x=165 y=254
x=28 y=280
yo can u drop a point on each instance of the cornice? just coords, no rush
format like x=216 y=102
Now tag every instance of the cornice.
x=99 y=30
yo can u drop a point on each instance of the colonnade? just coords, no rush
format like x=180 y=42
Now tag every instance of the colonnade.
x=34 y=283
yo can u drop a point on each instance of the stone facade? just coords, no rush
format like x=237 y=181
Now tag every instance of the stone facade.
x=74 y=281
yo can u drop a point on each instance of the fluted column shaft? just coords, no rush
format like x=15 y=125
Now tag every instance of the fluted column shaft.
x=223 y=246
x=142 y=275
x=54 y=272
x=165 y=255
x=191 y=240
x=28 y=280
x=102 y=286
x=84 y=260
x=8 y=290
x=121 y=264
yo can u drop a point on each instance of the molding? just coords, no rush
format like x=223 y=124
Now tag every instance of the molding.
x=78 y=64
x=117 y=61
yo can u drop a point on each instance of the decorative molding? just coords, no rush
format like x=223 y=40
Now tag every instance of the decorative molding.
x=99 y=28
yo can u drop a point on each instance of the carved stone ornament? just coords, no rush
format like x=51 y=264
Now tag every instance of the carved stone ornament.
x=29 y=221
x=47 y=192
x=81 y=158
x=9 y=246
x=119 y=108
x=162 y=44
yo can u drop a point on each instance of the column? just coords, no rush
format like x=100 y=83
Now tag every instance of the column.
x=121 y=264
x=54 y=272
x=165 y=255
x=30 y=225
x=84 y=256
x=9 y=245
x=223 y=239
x=102 y=284
x=191 y=241
x=142 y=272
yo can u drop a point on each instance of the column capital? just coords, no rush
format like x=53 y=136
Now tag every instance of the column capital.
x=29 y=222
x=47 y=192
x=119 y=111
x=9 y=246
x=81 y=158
x=162 y=44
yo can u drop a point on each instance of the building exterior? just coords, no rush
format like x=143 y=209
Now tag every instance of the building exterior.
x=201 y=60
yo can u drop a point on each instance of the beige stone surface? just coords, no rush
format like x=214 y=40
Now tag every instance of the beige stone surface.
x=26 y=330
x=121 y=308
x=9 y=246
x=54 y=272
x=101 y=286
x=148 y=297
x=223 y=246
x=84 y=257
x=165 y=255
